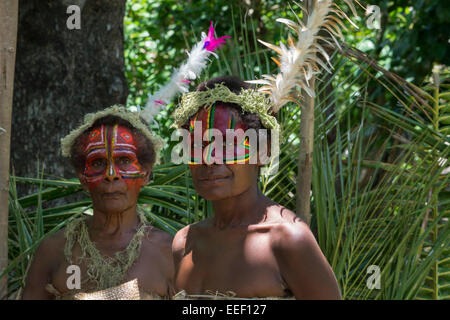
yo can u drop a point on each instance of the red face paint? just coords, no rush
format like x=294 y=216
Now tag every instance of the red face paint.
x=111 y=153
x=221 y=118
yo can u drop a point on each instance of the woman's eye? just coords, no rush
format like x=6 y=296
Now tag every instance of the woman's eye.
x=98 y=163
x=124 y=160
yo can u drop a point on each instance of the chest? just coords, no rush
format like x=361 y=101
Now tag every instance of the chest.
x=243 y=264
x=75 y=276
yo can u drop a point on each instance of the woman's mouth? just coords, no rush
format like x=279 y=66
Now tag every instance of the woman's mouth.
x=112 y=195
x=212 y=180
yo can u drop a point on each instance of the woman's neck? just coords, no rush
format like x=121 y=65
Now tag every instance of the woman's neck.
x=114 y=225
x=244 y=209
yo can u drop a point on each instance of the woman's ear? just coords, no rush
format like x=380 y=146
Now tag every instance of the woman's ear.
x=83 y=181
x=147 y=170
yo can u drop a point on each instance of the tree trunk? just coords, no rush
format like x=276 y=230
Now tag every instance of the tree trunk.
x=8 y=37
x=62 y=74
x=305 y=158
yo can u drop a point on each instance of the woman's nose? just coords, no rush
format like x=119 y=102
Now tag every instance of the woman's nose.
x=112 y=173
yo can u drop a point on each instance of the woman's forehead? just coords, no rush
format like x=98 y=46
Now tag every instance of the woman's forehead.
x=219 y=116
x=110 y=136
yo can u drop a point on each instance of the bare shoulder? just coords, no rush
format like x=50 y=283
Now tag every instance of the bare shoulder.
x=302 y=264
x=289 y=232
x=192 y=231
x=179 y=241
x=50 y=252
x=52 y=247
x=187 y=237
x=159 y=237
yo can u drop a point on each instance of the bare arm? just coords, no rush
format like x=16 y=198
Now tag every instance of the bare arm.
x=178 y=249
x=39 y=274
x=302 y=264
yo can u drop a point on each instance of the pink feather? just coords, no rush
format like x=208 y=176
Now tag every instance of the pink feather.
x=211 y=42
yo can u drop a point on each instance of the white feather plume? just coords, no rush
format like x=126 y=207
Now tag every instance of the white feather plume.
x=179 y=82
x=299 y=61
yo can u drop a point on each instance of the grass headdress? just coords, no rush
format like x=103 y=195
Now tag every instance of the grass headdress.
x=117 y=111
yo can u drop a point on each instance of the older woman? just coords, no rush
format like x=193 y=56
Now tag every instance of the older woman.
x=113 y=153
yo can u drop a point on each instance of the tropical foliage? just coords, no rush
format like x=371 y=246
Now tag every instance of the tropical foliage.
x=380 y=187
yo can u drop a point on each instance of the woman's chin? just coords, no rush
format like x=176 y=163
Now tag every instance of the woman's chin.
x=214 y=196
x=113 y=207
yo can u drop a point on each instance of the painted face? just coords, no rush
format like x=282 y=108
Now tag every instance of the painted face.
x=220 y=118
x=111 y=153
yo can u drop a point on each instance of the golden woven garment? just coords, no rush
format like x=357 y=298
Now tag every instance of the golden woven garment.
x=126 y=291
